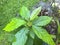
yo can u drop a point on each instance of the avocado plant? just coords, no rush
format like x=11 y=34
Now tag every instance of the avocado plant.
x=30 y=24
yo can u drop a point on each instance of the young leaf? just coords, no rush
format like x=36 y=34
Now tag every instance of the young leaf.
x=42 y=21
x=24 y=12
x=14 y=24
x=43 y=34
x=35 y=13
x=21 y=37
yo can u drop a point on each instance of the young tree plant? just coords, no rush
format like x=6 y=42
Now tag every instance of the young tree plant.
x=32 y=25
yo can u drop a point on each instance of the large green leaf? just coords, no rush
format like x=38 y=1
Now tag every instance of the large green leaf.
x=35 y=13
x=21 y=37
x=15 y=23
x=25 y=13
x=43 y=34
x=42 y=21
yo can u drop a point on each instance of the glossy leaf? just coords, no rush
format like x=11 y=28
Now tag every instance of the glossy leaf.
x=14 y=24
x=43 y=34
x=25 y=13
x=21 y=37
x=35 y=13
x=42 y=21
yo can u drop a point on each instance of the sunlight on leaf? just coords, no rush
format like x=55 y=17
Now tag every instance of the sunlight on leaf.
x=14 y=24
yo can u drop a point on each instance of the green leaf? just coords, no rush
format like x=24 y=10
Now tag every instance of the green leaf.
x=43 y=34
x=59 y=29
x=58 y=24
x=53 y=36
x=35 y=13
x=32 y=35
x=25 y=13
x=21 y=37
x=45 y=0
x=42 y=21
x=14 y=24
x=38 y=41
x=29 y=41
